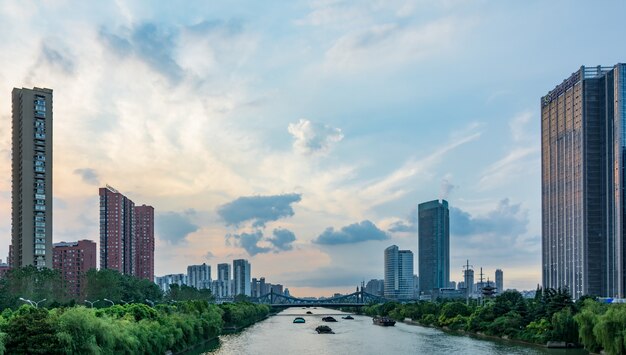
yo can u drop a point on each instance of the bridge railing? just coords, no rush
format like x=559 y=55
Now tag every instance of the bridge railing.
x=356 y=298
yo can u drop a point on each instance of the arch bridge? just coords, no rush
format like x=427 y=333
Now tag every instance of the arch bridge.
x=356 y=299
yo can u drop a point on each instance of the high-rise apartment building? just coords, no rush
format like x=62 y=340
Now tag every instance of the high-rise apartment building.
x=31 y=197
x=223 y=287
x=126 y=235
x=583 y=138
x=241 y=277
x=144 y=242
x=499 y=281
x=199 y=276
x=468 y=277
x=433 y=245
x=398 y=282
x=164 y=282
x=73 y=260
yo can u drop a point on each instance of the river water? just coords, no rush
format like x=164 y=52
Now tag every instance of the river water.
x=279 y=335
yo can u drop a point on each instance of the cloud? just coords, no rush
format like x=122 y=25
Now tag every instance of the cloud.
x=408 y=226
x=354 y=233
x=506 y=220
x=174 y=227
x=208 y=255
x=249 y=242
x=283 y=239
x=258 y=209
x=57 y=59
x=88 y=175
x=446 y=187
x=312 y=137
x=151 y=43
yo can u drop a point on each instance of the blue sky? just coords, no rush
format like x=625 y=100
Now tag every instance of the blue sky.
x=302 y=135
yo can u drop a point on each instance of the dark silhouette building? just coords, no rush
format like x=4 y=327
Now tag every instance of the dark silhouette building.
x=433 y=245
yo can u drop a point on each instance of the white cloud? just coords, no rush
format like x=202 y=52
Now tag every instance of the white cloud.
x=312 y=137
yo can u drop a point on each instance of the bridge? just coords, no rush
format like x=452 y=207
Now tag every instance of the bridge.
x=356 y=299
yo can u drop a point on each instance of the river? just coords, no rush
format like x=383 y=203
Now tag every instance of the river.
x=279 y=335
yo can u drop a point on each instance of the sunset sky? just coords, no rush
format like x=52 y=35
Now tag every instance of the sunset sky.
x=301 y=135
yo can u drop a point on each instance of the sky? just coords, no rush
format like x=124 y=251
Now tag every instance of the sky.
x=301 y=135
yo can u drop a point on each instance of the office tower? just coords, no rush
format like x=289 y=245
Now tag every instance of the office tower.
x=433 y=245
x=73 y=260
x=241 y=277
x=583 y=146
x=499 y=281
x=31 y=198
x=164 y=282
x=262 y=286
x=398 y=273
x=223 y=277
x=277 y=289
x=468 y=277
x=375 y=287
x=144 y=242
x=116 y=231
x=199 y=276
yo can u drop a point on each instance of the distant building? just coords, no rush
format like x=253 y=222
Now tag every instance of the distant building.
x=416 y=287
x=499 y=281
x=452 y=285
x=73 y=260
x=31 y=167
x=241 y=277
x=164 y=282
x=222 y=289
x=434 y=245
x=4 y=269
x=199 y=276
x=375 y=287
x=583 y=125
x=468 y=276
x=287 y=293
x=144 y=242
x=398 y=273
x=277 y=289
x=126 y=235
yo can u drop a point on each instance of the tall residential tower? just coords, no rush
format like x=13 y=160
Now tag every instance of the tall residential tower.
x=31 y=198
x=583 y=146
x=241 y=278
x=433 y=245
x=398 y=282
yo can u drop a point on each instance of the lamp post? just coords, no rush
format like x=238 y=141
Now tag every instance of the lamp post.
x=151 y=302
x=37 y=303
x=126 y=302
x=91 y=303
x=107 y=300
x=28 y=301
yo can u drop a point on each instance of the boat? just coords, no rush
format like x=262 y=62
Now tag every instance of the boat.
x=309 y=312
x=324 y=329
x=299 y=320
x=384 y=321
x=347 y=317
x=329 y=319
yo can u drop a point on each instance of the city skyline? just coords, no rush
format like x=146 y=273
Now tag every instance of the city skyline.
x=303 y=136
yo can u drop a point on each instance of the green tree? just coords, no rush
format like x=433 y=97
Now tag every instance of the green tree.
x=31 y=331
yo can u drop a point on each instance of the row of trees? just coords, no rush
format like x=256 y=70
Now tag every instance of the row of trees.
x=550 y=316
x=35 y=284
x=120 y=329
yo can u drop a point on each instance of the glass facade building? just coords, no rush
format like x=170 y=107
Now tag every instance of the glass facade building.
x=31 y=197
x=241 y=278
x=398 y=283
x=583 y=142
x=433 y=245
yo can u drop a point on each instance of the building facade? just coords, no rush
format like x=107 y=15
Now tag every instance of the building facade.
x=73 y=260
x=433 y=245
x=117 y=232
x=583 y=138
x=375 y=287
x=223 y=287
x=164 y=282
x=144 y=242
x=499 y=281
x=199 y=276
x=126 y=235
x=398 y=282
x=31 y=166
x=241 y=277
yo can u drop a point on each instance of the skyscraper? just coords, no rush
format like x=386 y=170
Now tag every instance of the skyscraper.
x=144 y=242
x=433 y=245
x=398 y=282
x=199 y=276
x=31 y=197
x=117 y=232
x=499 y=281
x=583 y=138
x=223 y=288
x=241 y=277
x=73 y=260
